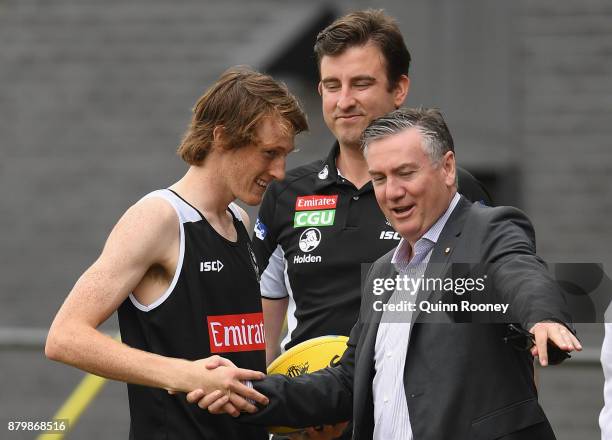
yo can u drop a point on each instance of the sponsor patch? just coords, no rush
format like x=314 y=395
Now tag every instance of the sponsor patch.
x=389 y=235
x=211 y=266
x=302 y=219
x=232 y=333
x=308 y=258
x=311 y=203
x=261 y=230
x=310 y=239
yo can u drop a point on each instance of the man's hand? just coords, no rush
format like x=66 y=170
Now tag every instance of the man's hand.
x=558 y=334
x=225 y=391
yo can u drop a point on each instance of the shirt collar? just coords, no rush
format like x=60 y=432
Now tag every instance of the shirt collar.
x=402 y=253
x=329 y=174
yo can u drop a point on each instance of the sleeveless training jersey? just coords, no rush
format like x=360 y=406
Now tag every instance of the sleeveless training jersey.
x=212 y=306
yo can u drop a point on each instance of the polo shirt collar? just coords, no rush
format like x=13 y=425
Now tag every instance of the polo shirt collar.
x=329 y=174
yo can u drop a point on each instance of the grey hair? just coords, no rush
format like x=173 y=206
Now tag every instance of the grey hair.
x=437 y=140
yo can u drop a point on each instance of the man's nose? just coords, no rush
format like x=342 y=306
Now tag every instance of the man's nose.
x=393 y=189
x=277 y=168
x=346 y=100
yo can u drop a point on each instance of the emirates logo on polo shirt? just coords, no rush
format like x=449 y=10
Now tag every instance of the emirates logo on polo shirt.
x=232 y=333
x=308 y=203
x=315 y=211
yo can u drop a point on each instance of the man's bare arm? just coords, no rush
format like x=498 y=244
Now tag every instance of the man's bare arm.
x=147 y=234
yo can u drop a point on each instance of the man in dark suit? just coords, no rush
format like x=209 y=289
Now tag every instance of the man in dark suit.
x=425 y=376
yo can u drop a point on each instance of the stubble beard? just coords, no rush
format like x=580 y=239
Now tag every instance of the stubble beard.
x=351 y=139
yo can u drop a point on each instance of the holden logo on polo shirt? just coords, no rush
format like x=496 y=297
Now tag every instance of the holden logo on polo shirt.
x=315 y=211
x=310 y=239
x=232 y=333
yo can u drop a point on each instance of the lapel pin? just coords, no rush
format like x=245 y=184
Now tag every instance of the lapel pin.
x=447 y=251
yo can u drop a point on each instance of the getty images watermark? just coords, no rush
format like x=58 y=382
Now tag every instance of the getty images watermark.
x=474 y=292
x=404 y=289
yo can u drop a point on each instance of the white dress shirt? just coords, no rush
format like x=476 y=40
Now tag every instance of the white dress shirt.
x=391 y=418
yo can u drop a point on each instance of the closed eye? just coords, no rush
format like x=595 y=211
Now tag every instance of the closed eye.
x=332 y=87
x=405 y=173
x=271 y=154
x=363 y=84
x=378 y=179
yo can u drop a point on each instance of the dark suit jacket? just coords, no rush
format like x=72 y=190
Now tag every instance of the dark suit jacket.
x=461 y=380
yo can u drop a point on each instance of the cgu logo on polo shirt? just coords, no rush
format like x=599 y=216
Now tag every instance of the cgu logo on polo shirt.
x=315 y=211
x=232 y=333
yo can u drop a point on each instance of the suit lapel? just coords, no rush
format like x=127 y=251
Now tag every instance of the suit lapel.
x=363 y=408
x=440 y=260
x=365 y=364
x=387 y=271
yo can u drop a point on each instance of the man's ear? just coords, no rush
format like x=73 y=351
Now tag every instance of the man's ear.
x=218 y=136
x=401 y=91
x=320 y=88
x=449 y=168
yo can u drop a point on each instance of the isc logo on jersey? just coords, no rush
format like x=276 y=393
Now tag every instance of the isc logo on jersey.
x=232 y=333
x=211 y=266
x=389 y=235
x=315 y=211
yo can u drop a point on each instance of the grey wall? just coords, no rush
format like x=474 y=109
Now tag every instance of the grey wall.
x=94 y=97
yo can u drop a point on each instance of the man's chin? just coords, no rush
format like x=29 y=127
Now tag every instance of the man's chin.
x=251 y=199
x=403 y=229
x=350 y=140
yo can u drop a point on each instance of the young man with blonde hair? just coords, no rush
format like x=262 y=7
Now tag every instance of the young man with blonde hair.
x=179 y=269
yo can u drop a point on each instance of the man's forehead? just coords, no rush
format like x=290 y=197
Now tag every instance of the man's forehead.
x=367 y=57
x=406 y=137
x=274 y=129
x=407 y=143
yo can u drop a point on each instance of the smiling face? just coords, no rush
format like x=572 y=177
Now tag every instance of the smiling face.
x=248 y=170
x=412 y=191
x=355 y=90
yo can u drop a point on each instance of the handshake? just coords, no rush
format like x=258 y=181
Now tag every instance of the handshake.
x=221 y=387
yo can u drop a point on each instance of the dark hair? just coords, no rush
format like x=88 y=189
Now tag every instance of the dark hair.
x=238 y=101
x=361 y=27
x=437 y=140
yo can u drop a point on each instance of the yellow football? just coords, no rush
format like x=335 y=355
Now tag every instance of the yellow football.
x=309 y=356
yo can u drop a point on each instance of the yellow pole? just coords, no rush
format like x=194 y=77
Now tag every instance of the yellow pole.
x=76 y=404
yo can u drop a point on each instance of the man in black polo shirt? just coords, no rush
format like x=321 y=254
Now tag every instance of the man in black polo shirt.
x=317 y=226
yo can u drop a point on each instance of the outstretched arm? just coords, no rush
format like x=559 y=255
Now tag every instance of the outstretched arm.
x=521 y=279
